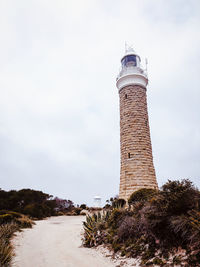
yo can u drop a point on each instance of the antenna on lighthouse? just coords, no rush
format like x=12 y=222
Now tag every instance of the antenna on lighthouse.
x=146 y=63
x=128 y=47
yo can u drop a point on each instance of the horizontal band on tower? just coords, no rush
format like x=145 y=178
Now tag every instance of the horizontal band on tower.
x=132 y=79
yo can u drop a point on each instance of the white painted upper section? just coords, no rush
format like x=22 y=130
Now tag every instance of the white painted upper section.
x=131 y=76
x=131 y=73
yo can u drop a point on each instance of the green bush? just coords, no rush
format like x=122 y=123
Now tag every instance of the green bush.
x=179 y=197
x=143 y=194
x=38 y=211
x=30 y=202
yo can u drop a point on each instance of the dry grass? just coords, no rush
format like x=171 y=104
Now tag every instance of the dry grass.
x=15 y=223
x=24 y=222
x=6 y=250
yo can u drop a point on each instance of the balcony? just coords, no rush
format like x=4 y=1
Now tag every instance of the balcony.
x=131 y=70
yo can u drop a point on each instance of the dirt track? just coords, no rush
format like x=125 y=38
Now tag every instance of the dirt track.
x=56 y=242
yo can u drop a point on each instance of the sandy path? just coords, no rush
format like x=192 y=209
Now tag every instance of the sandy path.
x=56 y=242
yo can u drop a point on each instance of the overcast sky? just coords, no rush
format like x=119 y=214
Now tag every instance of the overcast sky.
x=59 y=106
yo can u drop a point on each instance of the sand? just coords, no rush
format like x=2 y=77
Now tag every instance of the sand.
x=56 y=241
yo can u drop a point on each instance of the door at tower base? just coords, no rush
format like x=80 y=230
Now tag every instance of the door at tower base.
x=136 y=167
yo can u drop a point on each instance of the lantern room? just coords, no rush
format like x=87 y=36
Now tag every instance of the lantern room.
x=131 y=71
x=130 y=59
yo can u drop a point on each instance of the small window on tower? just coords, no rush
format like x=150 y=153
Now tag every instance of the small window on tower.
x=129 y=155
x=126 y=96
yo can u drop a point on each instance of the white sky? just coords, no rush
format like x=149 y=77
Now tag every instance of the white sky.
x=59 y=108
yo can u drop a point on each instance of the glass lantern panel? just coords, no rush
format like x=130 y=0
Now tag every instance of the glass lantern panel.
x=129 y=60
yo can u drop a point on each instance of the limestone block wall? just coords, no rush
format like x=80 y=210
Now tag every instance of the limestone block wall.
x=137 y=169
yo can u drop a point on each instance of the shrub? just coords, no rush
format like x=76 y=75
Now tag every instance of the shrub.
x=115 y=218
x=118 y=203
x=32 y=202
x=128 y=228
x=143 y=194
x=158 y=223
x=180 y=197
x=94 y=227
x=77 y=211
x=36 y=210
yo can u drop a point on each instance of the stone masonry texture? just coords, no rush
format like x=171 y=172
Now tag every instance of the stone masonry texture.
x=137 y=169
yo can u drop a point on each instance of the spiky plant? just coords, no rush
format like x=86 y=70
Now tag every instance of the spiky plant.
x=93 y=227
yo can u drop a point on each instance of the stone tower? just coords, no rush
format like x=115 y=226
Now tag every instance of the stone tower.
x=137 y=169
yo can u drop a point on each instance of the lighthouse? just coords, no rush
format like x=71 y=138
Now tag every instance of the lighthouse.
x=136 y=160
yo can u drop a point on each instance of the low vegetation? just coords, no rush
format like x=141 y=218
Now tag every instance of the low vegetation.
x=10 y=222
x=36 y=204
x=160 y=227
x=29 y=202
x=19 y=208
